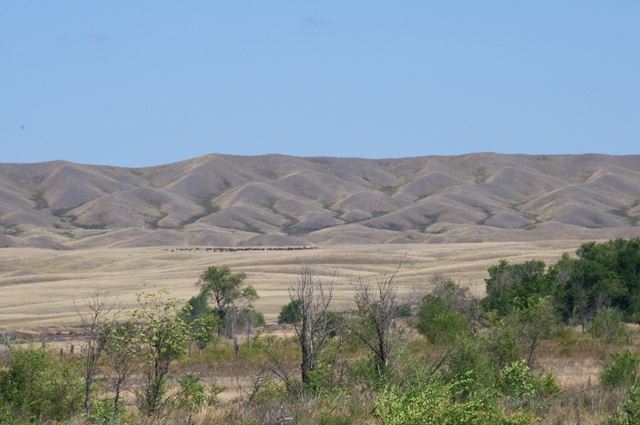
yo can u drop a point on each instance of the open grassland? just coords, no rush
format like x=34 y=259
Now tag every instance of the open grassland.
x=41 y=288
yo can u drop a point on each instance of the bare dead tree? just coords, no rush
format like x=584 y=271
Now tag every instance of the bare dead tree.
x=93 y=314
x=277 y=366
x=251 y=320
x=239 y=316
x=315 y=328
x=376 y=324
x=231 y=323
x=259 y=381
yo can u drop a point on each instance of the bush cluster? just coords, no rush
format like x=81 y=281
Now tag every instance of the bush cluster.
x=37 y=386
x=602 y=276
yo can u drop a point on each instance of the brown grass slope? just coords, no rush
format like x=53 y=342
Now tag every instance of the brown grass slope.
x=276 y=199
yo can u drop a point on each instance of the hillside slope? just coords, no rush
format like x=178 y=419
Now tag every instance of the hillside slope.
x=283 y=200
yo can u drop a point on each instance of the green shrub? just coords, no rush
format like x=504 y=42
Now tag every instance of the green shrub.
x=629 y=412
x=622 y=369
x=204 y=329
x=103 y=412
x=548 y=385
x=438 y=403
x=517 y=382
x=608 y=324
x=320 y=378
x=468 y=360
x=447 y=313
x=291 y=312
x=163 y=336
x=437 y=322
x=196 y=307
x=6 y=412
x=39 y=386
x=403 y=310
x=533 y=323
x=602 y=274
x=361 y=372
x=501 y=343
x=192 y=396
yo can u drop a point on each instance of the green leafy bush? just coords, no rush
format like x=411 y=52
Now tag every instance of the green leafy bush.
x=291 y=312
x=38 y=386
x=163 y=336
x=439 y=403
x=403 y=310
x=622 y=369
x=469 y=361
x=196 y=307
x=437 y=322
x=320 y=378
x=517 y=382
x=447 y=313
x=602 y=274
x=192 y=396
x=501 y=343
x=103 y=412
x=629 y=412
x=608 y=324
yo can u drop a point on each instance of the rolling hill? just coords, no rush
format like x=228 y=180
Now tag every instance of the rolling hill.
x=283 y=200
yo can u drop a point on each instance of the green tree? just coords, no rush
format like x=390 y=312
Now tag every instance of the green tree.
x=605 y=275
x=512 y=286
x=226 y=289
x=222 y=286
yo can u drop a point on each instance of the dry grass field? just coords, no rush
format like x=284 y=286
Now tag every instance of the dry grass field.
x=40 y=288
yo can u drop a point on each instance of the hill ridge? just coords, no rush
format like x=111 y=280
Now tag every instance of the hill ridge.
x=274 y=199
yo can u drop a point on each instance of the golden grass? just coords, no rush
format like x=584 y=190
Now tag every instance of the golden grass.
x=39 y=288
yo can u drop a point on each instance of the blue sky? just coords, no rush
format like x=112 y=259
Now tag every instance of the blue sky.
x=146 y=82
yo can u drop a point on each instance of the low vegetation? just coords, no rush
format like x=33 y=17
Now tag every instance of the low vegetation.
x=438 y=358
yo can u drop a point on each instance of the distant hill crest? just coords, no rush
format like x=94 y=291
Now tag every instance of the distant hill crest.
x=223 y=200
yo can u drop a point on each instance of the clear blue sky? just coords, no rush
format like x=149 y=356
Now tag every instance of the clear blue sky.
x=146 y=82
